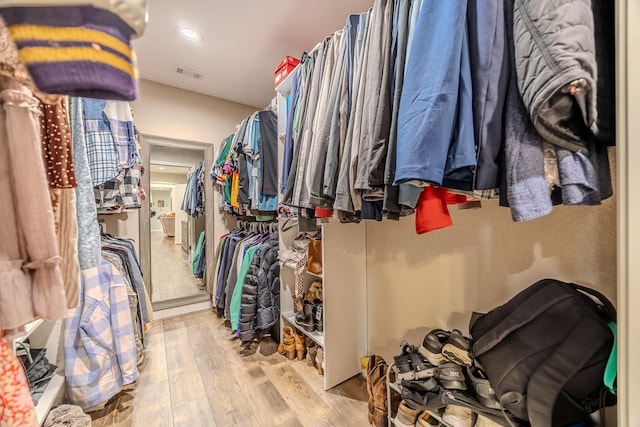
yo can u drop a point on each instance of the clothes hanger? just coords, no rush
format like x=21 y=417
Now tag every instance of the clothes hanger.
x=286 y=226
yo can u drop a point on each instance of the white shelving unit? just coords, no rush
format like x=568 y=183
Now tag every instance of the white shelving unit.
x=344 y=336
x=50 y=397
x=316 y=336
x=46 y=334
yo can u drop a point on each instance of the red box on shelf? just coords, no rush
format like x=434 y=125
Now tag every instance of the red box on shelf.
x=285 y=67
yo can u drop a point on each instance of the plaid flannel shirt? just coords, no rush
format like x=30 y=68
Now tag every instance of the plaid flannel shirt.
x=120 y=121
x=122 y=191
x=101 y=151
x=99 y=343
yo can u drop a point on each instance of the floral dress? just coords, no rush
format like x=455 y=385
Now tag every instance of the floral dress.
x=16 y=406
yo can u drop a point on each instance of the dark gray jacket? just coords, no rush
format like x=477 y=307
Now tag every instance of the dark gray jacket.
x=556 y=67
x=260 y=303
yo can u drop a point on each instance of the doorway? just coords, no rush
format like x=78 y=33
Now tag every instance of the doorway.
x=174 y=227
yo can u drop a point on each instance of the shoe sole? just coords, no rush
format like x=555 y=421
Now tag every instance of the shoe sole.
x=433 y=358
x=453 y=384
x=425 y=373
x=456 y=355
x=406 y=376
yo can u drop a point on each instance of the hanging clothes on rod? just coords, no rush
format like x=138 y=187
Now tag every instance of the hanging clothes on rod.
x=112 y=152
x=99 y=339
x=246 y=168
x=29 y=256
x=247 y=278
x=199 y=258
x=99 y=334
x=114 y=310
x=380 y=126
x=193 y=199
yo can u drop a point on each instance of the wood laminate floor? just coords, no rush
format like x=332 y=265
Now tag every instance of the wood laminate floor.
x=195 y=374
x=171 y=271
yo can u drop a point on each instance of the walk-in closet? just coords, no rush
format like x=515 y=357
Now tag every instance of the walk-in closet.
x=366 y=213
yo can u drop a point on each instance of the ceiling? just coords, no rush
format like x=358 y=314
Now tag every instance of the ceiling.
x=174 y=156
x=243 y=41
x=177 y=170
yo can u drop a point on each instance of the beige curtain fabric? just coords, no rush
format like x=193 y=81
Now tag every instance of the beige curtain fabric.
x=63 y=202
x=30 y=280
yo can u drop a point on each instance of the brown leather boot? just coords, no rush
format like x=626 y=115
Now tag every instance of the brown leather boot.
x=287 y=345
x=312 y=350
x=299 y=343
x=376 y=388
x=320 y=360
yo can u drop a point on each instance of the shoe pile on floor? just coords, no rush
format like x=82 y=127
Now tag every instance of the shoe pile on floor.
x=441 y=381
x=295 y=344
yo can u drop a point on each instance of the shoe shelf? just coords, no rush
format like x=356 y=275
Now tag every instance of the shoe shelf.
x=316 y=336
x=292 y=265
x=344 y=333
x=397 y=387
x=288 y=264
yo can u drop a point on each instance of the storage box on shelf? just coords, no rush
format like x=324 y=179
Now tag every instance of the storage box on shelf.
x=287 y=65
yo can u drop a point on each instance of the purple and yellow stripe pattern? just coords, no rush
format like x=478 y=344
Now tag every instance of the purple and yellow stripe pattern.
x=75 y=50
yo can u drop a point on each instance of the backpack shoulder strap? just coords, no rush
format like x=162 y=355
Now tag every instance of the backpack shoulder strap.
x=549 y=379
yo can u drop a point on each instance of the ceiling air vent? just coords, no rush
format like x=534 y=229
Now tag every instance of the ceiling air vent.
x=189 y=73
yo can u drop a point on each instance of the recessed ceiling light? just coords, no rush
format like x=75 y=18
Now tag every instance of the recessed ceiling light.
x=161 y=168
x=189 y=33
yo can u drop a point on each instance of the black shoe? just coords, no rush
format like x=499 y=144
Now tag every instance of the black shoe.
x=318 y=317
x=306 y=320
x=450 y=376
x=458 y=349
x=482 y=388
x=421 y=367
x=403 y=365
x=432 y=344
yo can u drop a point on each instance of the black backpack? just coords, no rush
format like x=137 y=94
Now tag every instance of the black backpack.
x=545 y=352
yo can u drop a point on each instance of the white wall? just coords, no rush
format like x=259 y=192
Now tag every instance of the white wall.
x=180 y=214
x=125 y=225
x=156 y=196
x=175 y=113
x=168 y=178
x=419 y=282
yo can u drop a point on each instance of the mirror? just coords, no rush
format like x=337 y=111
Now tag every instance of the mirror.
x=175 y=223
